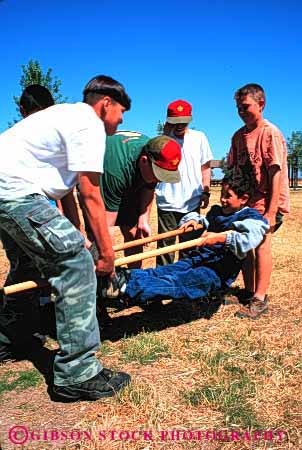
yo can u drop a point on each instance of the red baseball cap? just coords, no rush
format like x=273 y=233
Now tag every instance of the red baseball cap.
x=179 y=111
x=165 y=155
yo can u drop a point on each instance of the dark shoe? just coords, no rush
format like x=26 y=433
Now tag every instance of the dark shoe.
x=19 y=351
x=244 y=296
x=254 y=309
x=112 y=287
x=105 y=384
x=241 y=296
x=6 y=353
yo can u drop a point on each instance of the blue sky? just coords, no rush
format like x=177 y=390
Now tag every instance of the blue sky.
x=200 y=51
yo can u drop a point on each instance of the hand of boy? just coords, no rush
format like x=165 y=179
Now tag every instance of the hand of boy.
x=190 y=224
x=210 y=238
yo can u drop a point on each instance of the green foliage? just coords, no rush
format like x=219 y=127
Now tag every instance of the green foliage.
x=32 y=73
x=159 y=128
x=20 y=381
x=294 y=146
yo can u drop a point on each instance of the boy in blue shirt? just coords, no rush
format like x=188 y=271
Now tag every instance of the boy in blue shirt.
x=232 y=229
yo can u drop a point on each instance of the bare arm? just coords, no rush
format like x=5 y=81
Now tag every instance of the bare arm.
x=206 y=182
x=143 y=227
x=274 y=174
x=95 y=211
x=111 y=217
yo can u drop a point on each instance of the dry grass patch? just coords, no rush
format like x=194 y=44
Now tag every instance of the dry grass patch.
x=204 y=370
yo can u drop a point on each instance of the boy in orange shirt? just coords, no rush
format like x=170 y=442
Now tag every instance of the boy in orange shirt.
x=260 y=146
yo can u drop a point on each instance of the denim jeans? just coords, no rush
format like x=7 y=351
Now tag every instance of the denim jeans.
x=39 y=241
x=185 y=279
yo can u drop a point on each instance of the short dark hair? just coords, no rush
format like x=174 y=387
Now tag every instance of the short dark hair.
x=241 y=183
x=36 y=97
x=102 y=85
x=253 y=89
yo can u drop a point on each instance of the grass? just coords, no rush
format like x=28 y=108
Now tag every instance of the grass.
x=189 y=372
x=105 y=349
x=137 y=394
x=230 y=389
x=19 y=381
x=145 y=348
x=231 y=399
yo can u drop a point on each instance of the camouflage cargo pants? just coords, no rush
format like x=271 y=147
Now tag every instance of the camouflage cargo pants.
x=41 y=242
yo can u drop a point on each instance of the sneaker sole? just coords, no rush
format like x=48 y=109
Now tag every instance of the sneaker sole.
x=246 y=316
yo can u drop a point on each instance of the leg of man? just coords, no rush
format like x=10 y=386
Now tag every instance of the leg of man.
x=185 y=279
x=248 y=272
x=166 y=222
x=56 y=249
x=258 y=304
x=129 y=234
x=264 y=265
x=26 y=305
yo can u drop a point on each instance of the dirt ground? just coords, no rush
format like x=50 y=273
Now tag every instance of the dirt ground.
x=202 y=378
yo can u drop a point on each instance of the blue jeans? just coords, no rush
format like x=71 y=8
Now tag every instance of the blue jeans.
x=39 y=241
x=185 y=279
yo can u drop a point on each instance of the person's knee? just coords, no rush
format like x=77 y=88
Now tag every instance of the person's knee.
x=266 y=246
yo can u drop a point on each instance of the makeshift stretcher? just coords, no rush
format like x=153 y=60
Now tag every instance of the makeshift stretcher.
x=156 y=237
x=28 y=285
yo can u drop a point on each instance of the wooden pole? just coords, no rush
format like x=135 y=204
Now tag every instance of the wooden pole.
x=154 y=238
x=160 y=251
x=26 y=285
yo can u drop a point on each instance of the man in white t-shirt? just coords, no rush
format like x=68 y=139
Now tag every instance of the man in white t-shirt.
x=193 y=191
x=45 y=156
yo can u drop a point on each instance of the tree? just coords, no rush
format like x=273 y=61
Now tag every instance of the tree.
x=32 y=74
x=294 y=145
x=159 y=128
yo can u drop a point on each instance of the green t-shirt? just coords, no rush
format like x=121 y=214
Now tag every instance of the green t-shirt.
x=120 y=166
